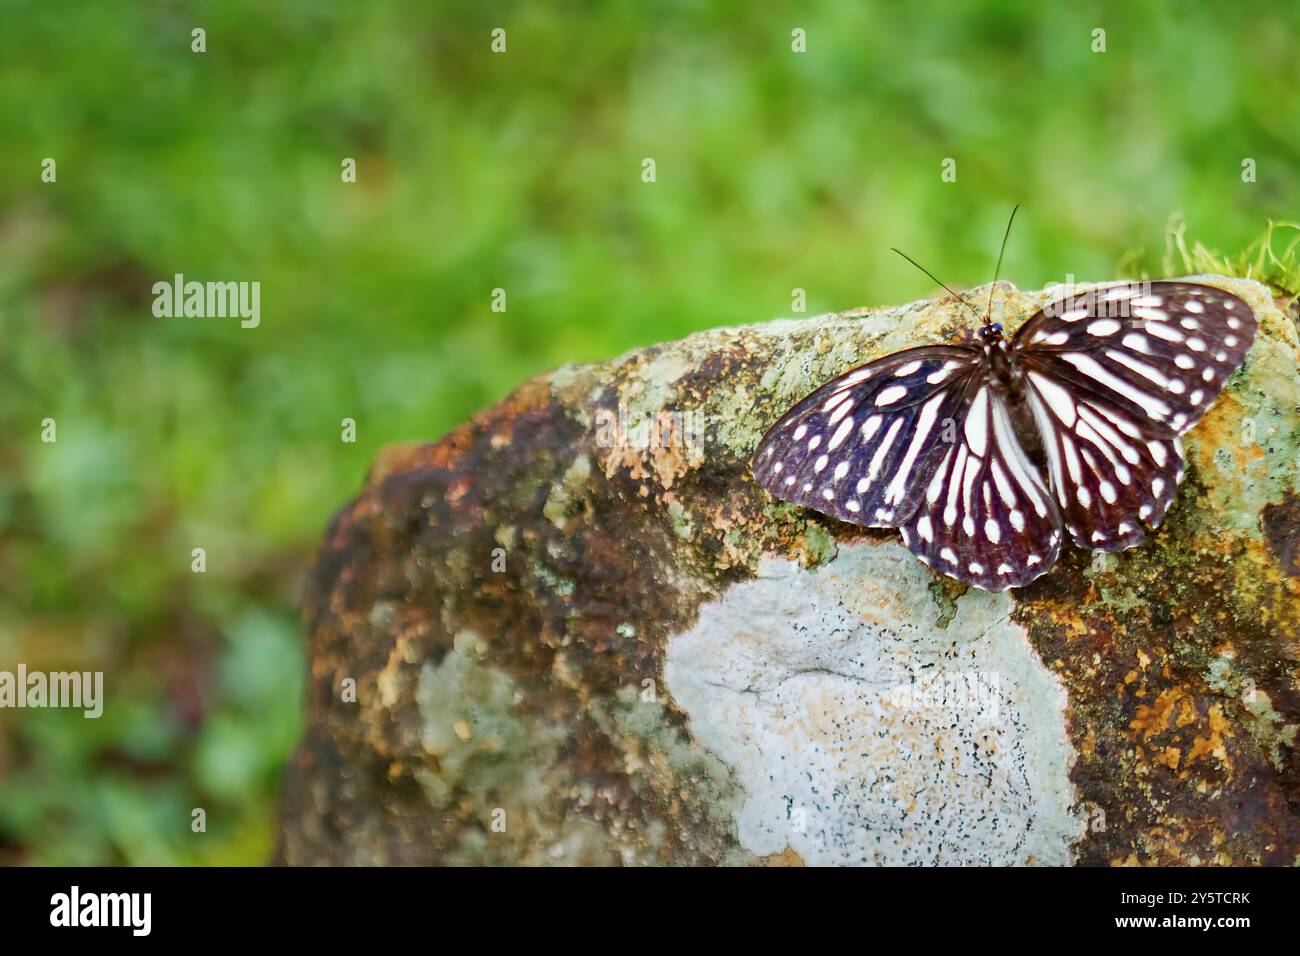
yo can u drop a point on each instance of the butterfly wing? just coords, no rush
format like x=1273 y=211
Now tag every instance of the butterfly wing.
x=861 y=447
x=1113 y=376
x=986 y=518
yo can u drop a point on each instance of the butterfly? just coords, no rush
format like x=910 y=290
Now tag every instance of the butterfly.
x=984 y=453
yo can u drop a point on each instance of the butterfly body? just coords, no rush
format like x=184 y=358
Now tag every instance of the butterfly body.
x=999 y=362
x=985 y=454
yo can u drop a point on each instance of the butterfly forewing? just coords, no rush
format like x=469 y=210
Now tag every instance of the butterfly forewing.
x=860 y=447
x=986 y=517
x=1161 y=351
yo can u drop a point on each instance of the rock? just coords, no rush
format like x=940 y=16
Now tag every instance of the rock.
x=581 y=633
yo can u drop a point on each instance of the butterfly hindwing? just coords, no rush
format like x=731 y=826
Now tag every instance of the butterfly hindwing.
x=1111 y=473
x=986 y=517
x=857 y=447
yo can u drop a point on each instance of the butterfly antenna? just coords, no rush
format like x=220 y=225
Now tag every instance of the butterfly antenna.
x=960 y=297
x=988 y=315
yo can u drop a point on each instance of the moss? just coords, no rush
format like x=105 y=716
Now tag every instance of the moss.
x=1273 y=258
x=735 y=427
x=681 y=521
x=568 y=495
x=945 y=592
x=819 y=545
x=555 y=583
x=472 y=733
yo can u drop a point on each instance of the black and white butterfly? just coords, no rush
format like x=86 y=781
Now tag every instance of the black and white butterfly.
x=948 y=443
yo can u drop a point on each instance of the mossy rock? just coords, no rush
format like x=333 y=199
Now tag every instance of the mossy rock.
x=581 y=633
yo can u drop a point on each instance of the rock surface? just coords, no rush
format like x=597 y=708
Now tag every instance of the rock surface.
x=579 y=632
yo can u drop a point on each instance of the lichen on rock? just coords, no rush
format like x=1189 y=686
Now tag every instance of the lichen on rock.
x=864 y=730
x=581 y=633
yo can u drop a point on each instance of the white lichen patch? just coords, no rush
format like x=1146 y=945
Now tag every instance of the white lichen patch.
x=862 y=732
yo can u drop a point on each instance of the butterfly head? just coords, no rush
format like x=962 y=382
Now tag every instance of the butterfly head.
x=991 y=333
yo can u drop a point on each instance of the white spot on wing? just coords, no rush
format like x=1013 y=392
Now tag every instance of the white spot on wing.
x=939 y=375
x=878 y=459
x=977 y=430
x=1137 y=343
x=1058 y=398
x=1166 y=332
x=1093 y=369
x=853 y=378
x=891 y=394
x=898 y=485
x=841 y=433
x=1149 y=372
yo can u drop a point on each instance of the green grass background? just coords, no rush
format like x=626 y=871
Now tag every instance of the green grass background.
x=774 y=170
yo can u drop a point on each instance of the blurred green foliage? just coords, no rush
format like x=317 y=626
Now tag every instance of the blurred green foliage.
x=775 y=170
